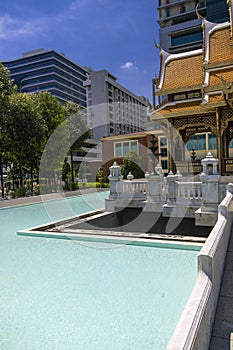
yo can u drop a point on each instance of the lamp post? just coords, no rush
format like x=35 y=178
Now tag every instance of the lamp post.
x=193 y=156
x=153 y=149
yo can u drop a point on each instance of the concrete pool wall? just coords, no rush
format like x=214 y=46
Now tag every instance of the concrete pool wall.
x=194 y=328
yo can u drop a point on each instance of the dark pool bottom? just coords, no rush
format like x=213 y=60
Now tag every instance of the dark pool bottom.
x=136 y=220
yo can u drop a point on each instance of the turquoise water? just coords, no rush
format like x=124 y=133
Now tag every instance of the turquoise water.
x=59 y=294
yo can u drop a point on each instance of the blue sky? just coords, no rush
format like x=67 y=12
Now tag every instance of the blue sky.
x=102 y=34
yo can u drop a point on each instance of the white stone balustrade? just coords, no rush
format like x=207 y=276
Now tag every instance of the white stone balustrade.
x=172 y=195
x=134 y=189
x=188 y=190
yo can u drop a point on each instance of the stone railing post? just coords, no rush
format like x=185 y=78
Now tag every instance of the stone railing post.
x=130 y=176
x=230 y=188
x=210 y=183
x=207 y=214
x=114 y=178
x=171 y=195
x=156 y=197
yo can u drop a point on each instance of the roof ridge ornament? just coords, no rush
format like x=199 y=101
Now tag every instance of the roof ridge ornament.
x=227 y=91
x=230 y=5
x=157 y=46
x=199 y=16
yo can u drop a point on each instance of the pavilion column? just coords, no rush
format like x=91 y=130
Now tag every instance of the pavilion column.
x=219 y=140
x=170 y=146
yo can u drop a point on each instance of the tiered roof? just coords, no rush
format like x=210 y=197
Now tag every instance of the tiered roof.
x=209 y=71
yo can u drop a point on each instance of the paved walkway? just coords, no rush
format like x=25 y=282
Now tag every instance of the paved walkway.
x=35 y=199
x=223 y=325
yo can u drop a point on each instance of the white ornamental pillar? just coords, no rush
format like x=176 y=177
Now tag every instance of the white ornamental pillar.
x=114 y=177
x=156 y=196
x=208 y=213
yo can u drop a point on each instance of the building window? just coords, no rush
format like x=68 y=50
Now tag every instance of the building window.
x=182 y=8
x=179 y=97
x=164 y=164
x=118 y=149
x=231 y=144
x=182 y=39
x=196 y=142
x=124 y=147
x=212 y=141
x=194 y=95
x=163 y=152
x=163 y=141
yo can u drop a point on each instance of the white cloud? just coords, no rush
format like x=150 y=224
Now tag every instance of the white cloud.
x=11 y=27
x=129 y=65
x=76 y=5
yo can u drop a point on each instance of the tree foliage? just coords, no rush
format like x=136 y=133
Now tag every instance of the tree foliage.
x=77 y=129
x=27 y=121
x=51 y=110
x=132 y=163
x=25 y=134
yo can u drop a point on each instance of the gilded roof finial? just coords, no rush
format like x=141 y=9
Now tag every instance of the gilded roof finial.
x=199 y=16
x=156 y=44
x=229 y=3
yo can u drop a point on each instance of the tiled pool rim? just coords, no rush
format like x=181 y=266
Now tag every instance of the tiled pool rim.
x=43 y=198
x=119 y=240
x=194 y=328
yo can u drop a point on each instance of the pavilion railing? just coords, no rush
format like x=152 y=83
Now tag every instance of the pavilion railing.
x=188 y=191
x=132 y=189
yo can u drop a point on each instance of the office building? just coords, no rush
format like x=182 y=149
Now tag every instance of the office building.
x=49 y=70
x=180 y=27
x=111 y=108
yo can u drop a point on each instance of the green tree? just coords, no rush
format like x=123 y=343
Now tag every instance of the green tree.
x=100 y=176
x=51 y=110
x=6 y=89
x=66 y=171
x=132 y=163
x=78 y=130
x=25 y=132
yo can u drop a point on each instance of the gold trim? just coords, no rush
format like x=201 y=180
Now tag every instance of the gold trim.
x=211 y=106
x=177 y=90
x=181 y=114
x=224 y=64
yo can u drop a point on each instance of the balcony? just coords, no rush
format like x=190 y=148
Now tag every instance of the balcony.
x=180 y=17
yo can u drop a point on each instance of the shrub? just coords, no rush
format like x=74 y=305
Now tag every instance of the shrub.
x=19 y=192
x=132 y=163
x=70 y=187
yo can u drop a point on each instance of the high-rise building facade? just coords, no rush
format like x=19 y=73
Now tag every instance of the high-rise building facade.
x=180 y=27
x=49 y=70
x=111 y=108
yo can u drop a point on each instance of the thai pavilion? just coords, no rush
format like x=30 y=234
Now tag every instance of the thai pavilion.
x=194 y=93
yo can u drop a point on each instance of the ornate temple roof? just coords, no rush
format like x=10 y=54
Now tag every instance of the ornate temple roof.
x=183 y=72
x=187 y=108
x=219 y=45
x=208 y=70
